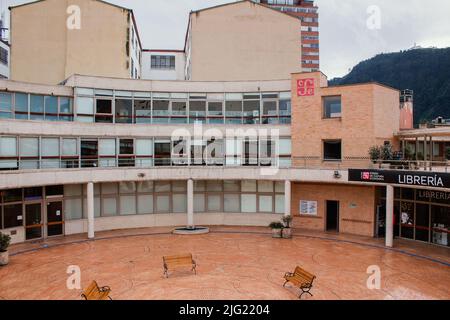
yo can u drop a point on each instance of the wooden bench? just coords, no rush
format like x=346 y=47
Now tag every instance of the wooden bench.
x=302 y=279
x=94 y=292
x=174 y=262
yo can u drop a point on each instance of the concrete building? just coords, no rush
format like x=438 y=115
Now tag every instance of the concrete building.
x=163 y=64
x=105 y=153
x=242 y=41
x=308 y=13
x=52 y=40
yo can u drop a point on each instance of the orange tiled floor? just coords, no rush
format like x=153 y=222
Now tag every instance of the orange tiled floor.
x=230 y=266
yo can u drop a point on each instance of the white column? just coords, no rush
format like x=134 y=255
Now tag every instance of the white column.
x=389 y=216
x=287 y=198
x=190 y=203
x=90 y=209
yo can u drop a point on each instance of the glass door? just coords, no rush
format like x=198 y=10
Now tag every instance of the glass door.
x=33 y=221
x=55 y=221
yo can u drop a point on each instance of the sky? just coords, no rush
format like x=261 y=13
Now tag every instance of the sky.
x=350 y=30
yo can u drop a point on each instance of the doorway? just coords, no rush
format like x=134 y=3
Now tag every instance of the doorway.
x=333 y=216
x=55 y=222
x=40 y=223
x=33 y=221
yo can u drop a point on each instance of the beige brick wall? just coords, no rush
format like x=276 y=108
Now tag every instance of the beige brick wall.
x=370 y=116
x=357 y=207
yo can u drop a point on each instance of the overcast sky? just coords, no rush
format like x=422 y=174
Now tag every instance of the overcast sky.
x=345 y=38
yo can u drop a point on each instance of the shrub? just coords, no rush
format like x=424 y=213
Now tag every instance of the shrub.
x=375 y=153
x=287 y=221
x=4 y=242
x=276 y=225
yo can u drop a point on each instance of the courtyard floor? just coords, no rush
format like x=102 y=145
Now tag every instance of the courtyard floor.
x=232 y=263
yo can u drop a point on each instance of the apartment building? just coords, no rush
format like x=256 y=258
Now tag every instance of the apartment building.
x=52 y=40
x=4 y=59
x=242 y=41
x=308 y=13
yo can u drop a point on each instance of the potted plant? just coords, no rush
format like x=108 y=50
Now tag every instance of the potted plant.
x=287 y=231
x=4 y=244
x=375 y=153
x=277 y=229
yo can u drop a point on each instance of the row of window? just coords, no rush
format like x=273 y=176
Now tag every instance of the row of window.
x=162 y=62
x=148 y=197
x=178 y=108
x=35 y=107
x=54 y=152
x=4 y=56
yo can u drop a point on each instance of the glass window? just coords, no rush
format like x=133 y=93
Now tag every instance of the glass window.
x=162 y=186
x=65 y=105
x=179 y=203
x=249 y=186
x=109 y=206
x=144 y=147
x=89 y=153
x=127 y=205
x=265 y=204
x=231 y=203
x=143 y=111
x=127 y=187
x=179 y=186
x=12 y=216
x=145 y=204
x=12 y=195
x=69 y=147
x=145 y=186
x=71 y=190
x=5 y=102
x=29 y=147
x=85 y=105
x=107 y=147
x=109 y=188
x=126 y=146
x=279 y=203
x=199 y=202
x=214 y=203
x=21 y=106
x=36 y=103
x=50 y=147
x=34 y=193
x=265 y=186
x=73 y=209
x=332 y=107
x=248 y=203
x=51 y=105
x=162 y=203
x=230 y=185
x=279 y=186
x=8 y=147
x=124 y=111
x=332 y=150
x=251 y=112
x=54 y=191
x=212 y=186
x=285 y=146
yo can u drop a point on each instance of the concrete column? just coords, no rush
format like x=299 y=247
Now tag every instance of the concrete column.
x=190 y=203
x=431 y=153
x=417 y=148
x=90 y=209
x=389 y=216
x=287 y=198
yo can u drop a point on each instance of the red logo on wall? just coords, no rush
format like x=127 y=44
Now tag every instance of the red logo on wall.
x=305 y=87
x=366 y=175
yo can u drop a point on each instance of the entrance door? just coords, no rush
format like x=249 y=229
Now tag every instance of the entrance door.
x=33 y=221
x=333 y=216
x=55 y=222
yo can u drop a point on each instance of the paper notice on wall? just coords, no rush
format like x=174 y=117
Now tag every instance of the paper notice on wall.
x=58 y=213
x=308 y=207
x=19 y=218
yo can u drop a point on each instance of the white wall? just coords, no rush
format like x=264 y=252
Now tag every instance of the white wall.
x=160 y=74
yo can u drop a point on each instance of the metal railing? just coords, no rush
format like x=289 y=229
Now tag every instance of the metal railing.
x=313 y=163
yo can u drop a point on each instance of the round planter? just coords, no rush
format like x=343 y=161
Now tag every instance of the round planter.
x=276 y=233
x=4 y=258
x=287 y=233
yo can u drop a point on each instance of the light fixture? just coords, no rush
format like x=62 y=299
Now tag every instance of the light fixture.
x=337 y=175
x=141 y=175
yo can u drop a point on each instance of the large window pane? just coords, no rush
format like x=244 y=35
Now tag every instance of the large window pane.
x=124 y=111
x=332 y=107
x=85 y=105
x=279 y=203
x=127 y=187
x=71 y=190
x=199 y=202
x=50 y=147
x=214 y=203
x=179 y=203
x=69 y=147
x=29 y=147
x=21 y=102
x=8 y=147
x=5 y=102
x=127 y=205
x=248 y=203
x=36 y=103
x=249 y=186
x=51 y=104
x=73 y=209
x=265 y=204
x=162 y=203
x=231 y=203
x=65 y=105
x=332 y=150
x=13 y=216
x=145 y=204
x=107 y=147
x=109 y=206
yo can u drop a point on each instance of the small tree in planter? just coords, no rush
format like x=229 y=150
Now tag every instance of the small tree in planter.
x=387 y=153
x=5 y=240
x=375 y=153
x=287 y=231
x=277 y=229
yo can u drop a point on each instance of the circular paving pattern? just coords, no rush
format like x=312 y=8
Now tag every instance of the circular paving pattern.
x=229 y=266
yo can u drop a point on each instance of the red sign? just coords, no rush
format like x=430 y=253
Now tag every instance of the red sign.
x=305 y=87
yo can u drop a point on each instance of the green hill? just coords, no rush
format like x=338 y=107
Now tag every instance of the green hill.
x=426 y=71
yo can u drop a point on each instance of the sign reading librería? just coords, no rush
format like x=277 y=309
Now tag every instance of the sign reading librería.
x=408 y=178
